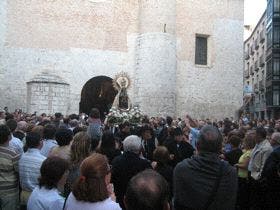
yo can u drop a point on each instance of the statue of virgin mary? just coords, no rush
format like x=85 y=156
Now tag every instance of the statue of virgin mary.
x=122 y=101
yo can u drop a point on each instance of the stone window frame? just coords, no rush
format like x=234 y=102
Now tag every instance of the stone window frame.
x=207 y=49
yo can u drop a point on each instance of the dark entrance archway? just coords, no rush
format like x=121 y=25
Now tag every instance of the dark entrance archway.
x=99 y=93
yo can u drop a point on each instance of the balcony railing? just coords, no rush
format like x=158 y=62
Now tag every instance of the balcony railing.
x=247 y=56
x=261 y=61
x=256 y=43
x=262 y=36
x=251 y=70
x=256 y=66
x=261 y=85
x=246 y=73
x=252 y=50
x=256 y=88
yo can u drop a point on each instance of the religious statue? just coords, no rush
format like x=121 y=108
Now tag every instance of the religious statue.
x=121 y=84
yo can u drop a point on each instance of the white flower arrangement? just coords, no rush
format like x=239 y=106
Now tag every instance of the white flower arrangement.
x=116 y=116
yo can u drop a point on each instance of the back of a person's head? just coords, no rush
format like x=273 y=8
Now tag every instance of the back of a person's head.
x=161 y=155
x=38 y=129
x=49 y=131
x=235 y=140
x=147 y=190
x=132 y=143
x=107 y=141
x=209 y=140
x=52 y=170
x=94 y=113
x=58 y=115
x=4 y=134
x=63 y=136
x=169 y=120
x=33 y=140
x=80 y=147
x=12 y=124
x=261 y=132
x=91 y=186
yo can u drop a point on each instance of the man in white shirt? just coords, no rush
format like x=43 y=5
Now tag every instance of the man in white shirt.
x=49 y=141
x=29 y=166
x=260 y=153
x=15 y=143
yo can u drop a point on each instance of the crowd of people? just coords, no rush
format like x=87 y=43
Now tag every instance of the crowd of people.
x=82 y=162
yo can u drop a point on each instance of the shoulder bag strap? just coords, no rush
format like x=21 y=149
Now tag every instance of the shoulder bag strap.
x=216 y=186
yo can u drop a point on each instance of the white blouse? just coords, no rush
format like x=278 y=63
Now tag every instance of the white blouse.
x=107 y=204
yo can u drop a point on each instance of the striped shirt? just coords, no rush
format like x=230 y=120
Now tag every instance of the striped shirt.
x=8 y=172
x=29 y=168
x=48 y=144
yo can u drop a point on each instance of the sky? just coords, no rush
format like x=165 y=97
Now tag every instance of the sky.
x=253 y=10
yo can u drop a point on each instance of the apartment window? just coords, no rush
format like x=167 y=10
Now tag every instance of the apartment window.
x=269 y=9
x=276 y=95
x=269 y=69
x=276 y=6
x=276 y=34
x=276 y=68
x=201 y=50
x=269 y=37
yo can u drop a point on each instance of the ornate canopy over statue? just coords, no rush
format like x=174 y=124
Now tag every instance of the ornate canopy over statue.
x=121 y=83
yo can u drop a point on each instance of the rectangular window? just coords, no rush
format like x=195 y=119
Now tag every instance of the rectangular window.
x=269 y=69
x=277 y=6
x=276 y=34
x=269 y=37
x=269 y=9
x=201 y=50
x=276 y=95
x=276 y=68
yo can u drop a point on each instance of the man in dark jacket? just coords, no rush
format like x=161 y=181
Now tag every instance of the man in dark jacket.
x=178 y=149
x=125 y=166
x=204 y=181
x=270 y=177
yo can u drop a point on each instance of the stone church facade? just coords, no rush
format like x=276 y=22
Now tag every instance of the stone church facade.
x=49 y=50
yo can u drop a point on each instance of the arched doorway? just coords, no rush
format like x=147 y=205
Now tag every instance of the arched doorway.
x=98 y=92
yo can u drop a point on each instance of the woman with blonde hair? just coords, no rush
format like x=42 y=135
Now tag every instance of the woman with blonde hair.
x=243 y=183
x=80 y=149
x=93 y=189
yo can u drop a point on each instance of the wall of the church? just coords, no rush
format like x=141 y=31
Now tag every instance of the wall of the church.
x=153 y=41
x=214 y=90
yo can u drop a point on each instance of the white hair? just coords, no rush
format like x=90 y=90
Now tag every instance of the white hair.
x=132 y=144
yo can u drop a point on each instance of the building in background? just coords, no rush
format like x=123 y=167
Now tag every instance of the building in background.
x=181 y=56
x=255 y=69
x=273 y=58
x=262 y=64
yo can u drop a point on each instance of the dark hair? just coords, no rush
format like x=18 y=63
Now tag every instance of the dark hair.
x=260 y=131
x=93 y=187
x=123 y=125
x=52 y=170
x=108 y=143
x=33 y=140
x=94 y=113
x=235 y=140
x=49 y=131
x=169 y=120
x=58 y=115
x=210 y=139
x=9 y=116
x=19 y=134
x=12 y=124
x=78 y=129
x=249 y=140
x=178 y=132
x=147 y=190
x=4 y=133
x=161 y=155
x=63 y=136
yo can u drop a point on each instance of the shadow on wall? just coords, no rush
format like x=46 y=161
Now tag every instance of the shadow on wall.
x=99 y=93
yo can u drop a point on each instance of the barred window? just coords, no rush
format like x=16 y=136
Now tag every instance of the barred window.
x=201 y=50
